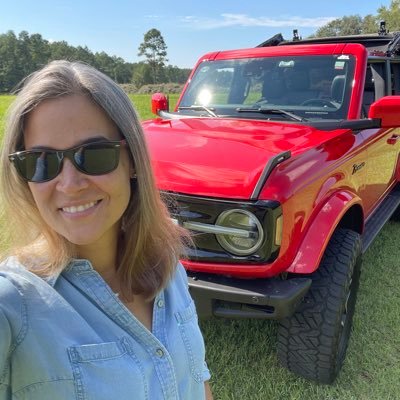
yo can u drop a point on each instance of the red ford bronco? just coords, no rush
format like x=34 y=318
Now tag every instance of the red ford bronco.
x=283 y=161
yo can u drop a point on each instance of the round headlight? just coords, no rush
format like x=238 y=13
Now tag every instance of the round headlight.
x=247 y=233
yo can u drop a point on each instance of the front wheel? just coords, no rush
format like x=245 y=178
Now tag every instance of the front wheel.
x=313 y=341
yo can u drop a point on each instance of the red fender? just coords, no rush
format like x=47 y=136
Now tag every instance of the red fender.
x=314 y=244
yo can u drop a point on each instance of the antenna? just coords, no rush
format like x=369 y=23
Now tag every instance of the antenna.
x=296 y=36
x=382 y=28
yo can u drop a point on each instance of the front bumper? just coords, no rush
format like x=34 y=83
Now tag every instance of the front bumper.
x=221 y=296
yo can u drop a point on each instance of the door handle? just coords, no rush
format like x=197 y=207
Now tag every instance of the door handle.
x=393 y=140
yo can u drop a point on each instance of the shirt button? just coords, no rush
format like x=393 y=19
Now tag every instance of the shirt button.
x=160 y=303
x=160 y=353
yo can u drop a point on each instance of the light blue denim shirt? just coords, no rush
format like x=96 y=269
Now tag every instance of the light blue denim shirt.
x=70 y=337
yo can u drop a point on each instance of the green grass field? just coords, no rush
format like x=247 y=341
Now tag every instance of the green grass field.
x=142 y=103
x=241 y=354
x=5 y=102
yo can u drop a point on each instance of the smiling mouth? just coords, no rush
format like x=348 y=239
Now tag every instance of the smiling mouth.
x=80 y=208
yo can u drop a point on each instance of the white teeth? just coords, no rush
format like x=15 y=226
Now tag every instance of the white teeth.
x=76 y=209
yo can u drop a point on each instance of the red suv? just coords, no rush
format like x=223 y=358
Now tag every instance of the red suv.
x=283 y=162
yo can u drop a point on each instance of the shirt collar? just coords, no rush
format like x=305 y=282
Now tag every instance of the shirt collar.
x=75 y=265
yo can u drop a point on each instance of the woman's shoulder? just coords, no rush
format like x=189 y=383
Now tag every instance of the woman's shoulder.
x=22 y=291
x=14 y=277
x=12 y=270
x=12 y=299
x=13 y=274
x=178 y=288
x=180 y=278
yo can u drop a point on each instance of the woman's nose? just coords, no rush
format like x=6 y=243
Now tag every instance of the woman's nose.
x=70 y=179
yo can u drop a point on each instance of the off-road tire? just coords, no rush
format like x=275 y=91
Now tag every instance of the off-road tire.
x=313 y=341
x=396 y=215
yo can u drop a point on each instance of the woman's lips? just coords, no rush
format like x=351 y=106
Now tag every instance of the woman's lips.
x=79 y=208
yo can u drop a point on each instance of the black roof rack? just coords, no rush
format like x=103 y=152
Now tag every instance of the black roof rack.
x=371 y=42
x=381 y=42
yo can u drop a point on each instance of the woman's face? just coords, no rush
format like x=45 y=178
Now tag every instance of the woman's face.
x=84 y=209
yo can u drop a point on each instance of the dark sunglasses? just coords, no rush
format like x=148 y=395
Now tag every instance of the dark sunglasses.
x=41 y=165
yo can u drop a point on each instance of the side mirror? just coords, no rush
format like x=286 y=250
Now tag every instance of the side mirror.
x=159 y=102
x=387 y=109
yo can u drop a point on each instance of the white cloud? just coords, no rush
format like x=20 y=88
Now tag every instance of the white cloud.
x=153 y=16
x=243 y=20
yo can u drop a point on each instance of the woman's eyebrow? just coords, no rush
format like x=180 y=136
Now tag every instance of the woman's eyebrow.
x=93 y=139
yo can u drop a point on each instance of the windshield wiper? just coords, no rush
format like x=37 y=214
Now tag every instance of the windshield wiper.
x=262 y=110
x=199 y=108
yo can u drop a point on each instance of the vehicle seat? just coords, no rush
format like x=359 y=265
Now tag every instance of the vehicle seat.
x=273 y=90
x=298 y=86
x=369 y=93
x=337 y=88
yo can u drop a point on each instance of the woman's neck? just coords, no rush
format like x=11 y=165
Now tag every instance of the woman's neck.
x=102 y=257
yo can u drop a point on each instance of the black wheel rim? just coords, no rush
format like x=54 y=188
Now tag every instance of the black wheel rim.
x=347 y=315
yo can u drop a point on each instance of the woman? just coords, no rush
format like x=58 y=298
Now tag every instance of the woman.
x=93 y=302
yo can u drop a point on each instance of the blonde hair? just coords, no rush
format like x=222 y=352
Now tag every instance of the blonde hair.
x=150 y=244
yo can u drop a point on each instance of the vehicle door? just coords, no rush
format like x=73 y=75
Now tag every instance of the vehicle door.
x=382 y=146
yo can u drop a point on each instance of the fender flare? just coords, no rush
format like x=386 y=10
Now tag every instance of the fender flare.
x=317 y=237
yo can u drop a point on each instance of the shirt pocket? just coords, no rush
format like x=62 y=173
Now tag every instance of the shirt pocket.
x=105 y=371
x=192 y=339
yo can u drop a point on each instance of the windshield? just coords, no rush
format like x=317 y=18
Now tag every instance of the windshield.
x=311 y=87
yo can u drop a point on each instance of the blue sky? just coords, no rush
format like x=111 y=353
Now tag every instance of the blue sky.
x=189 y=28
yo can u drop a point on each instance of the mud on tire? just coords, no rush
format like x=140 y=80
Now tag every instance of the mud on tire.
x=313 y=342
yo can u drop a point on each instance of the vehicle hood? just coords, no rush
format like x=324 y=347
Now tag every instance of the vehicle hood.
x=221 y=157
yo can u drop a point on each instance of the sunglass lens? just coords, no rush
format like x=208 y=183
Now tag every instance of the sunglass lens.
x=39 y=166
x=97 y=160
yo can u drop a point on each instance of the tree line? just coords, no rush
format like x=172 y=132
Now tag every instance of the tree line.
x=25 y=53
x=356 y=25
x=21 y=55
